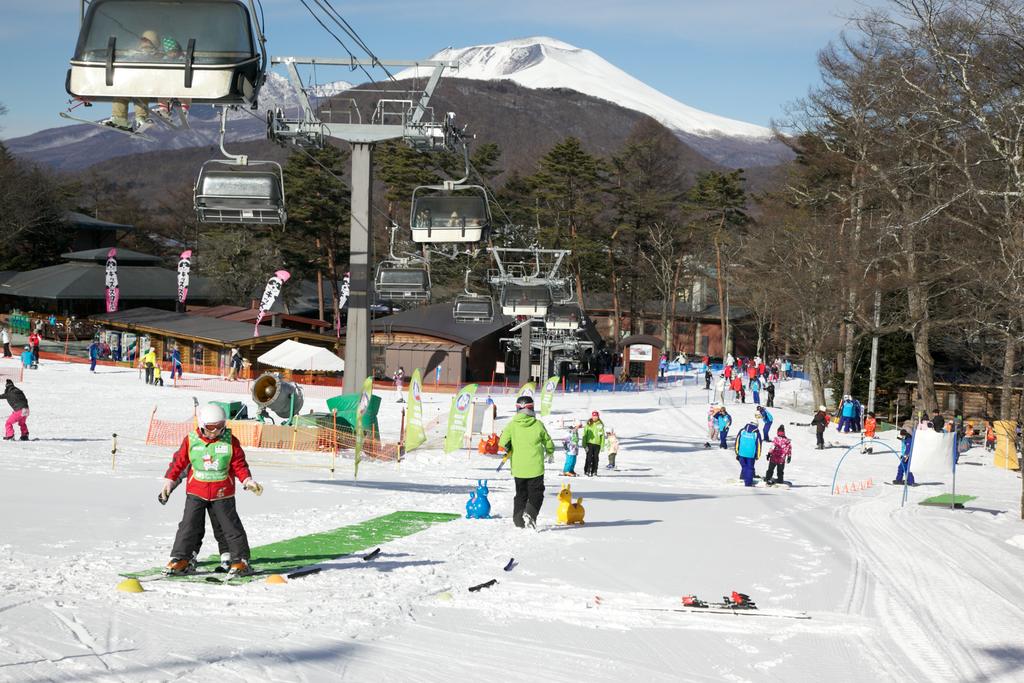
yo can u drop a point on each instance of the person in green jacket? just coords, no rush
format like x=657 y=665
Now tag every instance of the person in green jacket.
x=527 y=443
x=593 y=441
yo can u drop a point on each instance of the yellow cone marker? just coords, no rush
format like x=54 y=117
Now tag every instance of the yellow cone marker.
x=276 y=578
x=130 y=586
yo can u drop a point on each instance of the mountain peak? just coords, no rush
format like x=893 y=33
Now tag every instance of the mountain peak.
x=544 y=62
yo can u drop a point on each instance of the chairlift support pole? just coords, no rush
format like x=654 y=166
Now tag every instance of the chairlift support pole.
x=363 y=137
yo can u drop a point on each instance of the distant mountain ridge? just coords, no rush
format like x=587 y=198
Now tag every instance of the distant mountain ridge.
x=550 y=68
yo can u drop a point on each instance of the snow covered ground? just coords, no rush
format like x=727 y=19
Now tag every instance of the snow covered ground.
x=911 y=594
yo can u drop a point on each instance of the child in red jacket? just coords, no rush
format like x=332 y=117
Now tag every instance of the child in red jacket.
x=216 y=459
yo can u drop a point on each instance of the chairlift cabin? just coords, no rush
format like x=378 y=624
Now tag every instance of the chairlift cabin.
x=563 y=318
x=397 y=282
x=531 y=300
x=229 y=192
x=201 y=50
x=473 y=308
x=449 y=214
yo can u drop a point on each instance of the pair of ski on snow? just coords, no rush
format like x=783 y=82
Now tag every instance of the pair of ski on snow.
x=734 y=603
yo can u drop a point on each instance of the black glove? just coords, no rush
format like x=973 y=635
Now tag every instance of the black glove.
x=788 y=459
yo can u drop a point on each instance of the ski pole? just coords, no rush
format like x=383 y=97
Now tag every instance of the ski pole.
x=113 y=453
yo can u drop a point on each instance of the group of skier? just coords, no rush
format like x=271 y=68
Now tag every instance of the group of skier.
x=593 y=438
x=742 y=375
x=749 y=443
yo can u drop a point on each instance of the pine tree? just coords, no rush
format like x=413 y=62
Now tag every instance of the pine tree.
x=316 y=237
x=569 y=187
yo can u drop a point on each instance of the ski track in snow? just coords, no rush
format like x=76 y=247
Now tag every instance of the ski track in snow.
x=911 y=594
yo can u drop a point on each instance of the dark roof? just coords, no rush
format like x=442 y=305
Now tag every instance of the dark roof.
x=642 y=339
x=81 y=221
x=249 y=315
x=201 y=327
x=86 y=281
x=124 y=256
x=6 y=275
x=436 y=321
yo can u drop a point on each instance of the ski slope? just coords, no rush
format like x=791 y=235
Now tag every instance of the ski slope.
x=911 y=594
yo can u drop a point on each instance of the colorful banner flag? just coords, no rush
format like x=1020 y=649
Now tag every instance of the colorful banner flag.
x=527 y=389
x=415 y=435
x=457 y=418
x=113 y=291
x=346 y=288
x=364 y=404
x=184 y=268
x=270 y=295
x=547 y=395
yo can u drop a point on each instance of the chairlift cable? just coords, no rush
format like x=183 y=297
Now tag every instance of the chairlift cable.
x=336 y=38
x=347 y=28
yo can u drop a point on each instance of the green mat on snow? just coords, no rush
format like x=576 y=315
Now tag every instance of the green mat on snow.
x=303 y=551
x=948 y=499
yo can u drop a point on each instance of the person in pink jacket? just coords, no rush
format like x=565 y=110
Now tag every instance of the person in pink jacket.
x=781 y=453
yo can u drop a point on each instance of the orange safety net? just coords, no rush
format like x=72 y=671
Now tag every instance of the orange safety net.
x=253 y=434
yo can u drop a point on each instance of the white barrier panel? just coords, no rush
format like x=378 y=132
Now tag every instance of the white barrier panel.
x=932 y=454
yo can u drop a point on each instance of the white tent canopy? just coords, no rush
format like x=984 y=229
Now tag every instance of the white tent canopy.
x=293 y=355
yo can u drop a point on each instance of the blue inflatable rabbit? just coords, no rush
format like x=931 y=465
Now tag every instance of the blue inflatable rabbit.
x=478 y=507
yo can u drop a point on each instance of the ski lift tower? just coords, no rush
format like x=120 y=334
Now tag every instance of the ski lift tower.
x=408 y=118
x=526 y=279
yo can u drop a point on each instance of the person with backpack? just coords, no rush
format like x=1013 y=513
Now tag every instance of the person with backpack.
x=527 y=443
x=748 y=450
x=19 y=411
x=593 y=442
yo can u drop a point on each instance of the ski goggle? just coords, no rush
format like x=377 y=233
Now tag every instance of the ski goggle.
x=213 y=430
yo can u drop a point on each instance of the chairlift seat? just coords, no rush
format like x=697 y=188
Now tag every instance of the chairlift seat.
x=240 y=195
x=212 y=58
x=402 y=283
x=473 y=308
x=448 y=217
x=531 y=300
x=563 y=318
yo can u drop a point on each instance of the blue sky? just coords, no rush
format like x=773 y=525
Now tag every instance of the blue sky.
x=744 y=59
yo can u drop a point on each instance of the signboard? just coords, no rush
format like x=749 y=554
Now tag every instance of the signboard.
x=641 y=352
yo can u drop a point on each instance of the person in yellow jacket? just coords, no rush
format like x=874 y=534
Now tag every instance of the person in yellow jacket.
x=527 y=442
x=149 y=362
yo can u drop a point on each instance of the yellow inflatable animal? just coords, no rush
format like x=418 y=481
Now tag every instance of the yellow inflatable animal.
x=568 y=511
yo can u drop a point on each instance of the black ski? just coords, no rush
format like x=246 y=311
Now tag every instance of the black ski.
x=369 y=556
x=485 y=584
x=511 y=564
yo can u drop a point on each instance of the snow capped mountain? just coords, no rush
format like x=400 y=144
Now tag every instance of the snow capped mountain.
x=542 y=62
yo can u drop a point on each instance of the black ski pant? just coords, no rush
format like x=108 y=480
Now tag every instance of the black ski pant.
x=149 y=374
x=193 y=526
x=529 y=498
x=820 y=434
x=7 y=349
x=772 y=468
x=771 y=401
x=590 y=466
